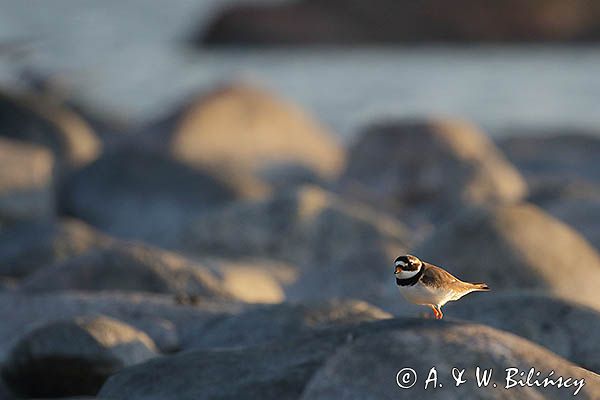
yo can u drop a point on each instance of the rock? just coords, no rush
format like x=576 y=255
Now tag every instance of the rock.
x=136 y=194
x=367 y=368
x=577 y=203
x=129 y=267
x=561 y=170
x=516 y=247
x=432 y=166
x=27 y=188
x=74 y=357
x=7 y=284
x=250 y=137
x=5 y=393
x=282 y=369
x=32 y=245
x=341 y=249
x=348 y=22
x=273 y=322
x=558 y=324
x=159 y=316
x=38 y=119
x=553 y=157
x=255 y=280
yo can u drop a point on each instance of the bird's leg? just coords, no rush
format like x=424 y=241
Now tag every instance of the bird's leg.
x=439 y=313
x=435 y=311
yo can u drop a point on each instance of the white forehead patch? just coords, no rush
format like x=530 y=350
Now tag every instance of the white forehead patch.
x=400 y=263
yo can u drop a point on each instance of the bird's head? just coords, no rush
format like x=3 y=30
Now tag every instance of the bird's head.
x=407 y=266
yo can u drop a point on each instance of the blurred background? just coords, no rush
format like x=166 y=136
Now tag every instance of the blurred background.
x=194 y=190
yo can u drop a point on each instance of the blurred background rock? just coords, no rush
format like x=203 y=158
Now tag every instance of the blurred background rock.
x=204 y=189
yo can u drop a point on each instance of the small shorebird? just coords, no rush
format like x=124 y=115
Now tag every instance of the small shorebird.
x=425 y=284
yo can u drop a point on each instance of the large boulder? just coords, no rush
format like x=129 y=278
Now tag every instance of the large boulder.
x=554 y=157
x=370 y=367
x=162 y=317
x=132 y=267
x=558 y=324
x=273 y=322
x=517 y=246
x=27 y=188
x=561 y=170
x=432 y=166
x=348 y=22
x=5 y=393
x=340 y=365
x=577 y=203
x=255 y=280
x=41 y=120
x=29 y=246
x=254 y=139
x=341 y=249
x=137 y=194
x=74 y=357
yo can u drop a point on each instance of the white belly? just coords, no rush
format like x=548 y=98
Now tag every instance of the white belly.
x=419 y=294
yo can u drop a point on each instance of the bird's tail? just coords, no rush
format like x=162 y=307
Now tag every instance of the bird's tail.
x=479 y=287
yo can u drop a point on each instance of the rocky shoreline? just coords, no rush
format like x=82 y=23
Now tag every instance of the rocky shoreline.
x=238 y=250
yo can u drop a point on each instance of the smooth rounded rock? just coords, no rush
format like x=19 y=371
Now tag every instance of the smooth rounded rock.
x=74 y=357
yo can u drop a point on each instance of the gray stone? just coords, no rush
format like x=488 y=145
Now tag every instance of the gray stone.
x=563 y=326
x=74 y=357
x=516 y=247
x=160 y=316
x=555 y=157
x=29 y=246
x=341 y=249
x=431 y=166
x=42 y=120
x=576 y=202
x=274 y=322
x=5 y=393
x=368 y=367
x=136 y=194
x=27 y=188
x=132 y=267
x=359 y=360
x=254 y=139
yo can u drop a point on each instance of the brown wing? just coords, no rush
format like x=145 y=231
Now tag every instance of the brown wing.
x=437 y=277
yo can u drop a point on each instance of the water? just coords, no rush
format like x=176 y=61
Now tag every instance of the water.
x=127 y=61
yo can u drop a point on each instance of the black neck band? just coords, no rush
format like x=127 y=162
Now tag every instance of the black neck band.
x=411 y=281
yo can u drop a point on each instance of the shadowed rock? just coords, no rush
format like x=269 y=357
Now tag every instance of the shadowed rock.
x=434 y=167
x=255 y=140
x=129 y=267
x=577 y=203
x=367 y=368
x=74 y=357
x=341 y=249
x=27 y=187
x=162 y=317
x=274 y=322
x=38 y=119
x=516 y=247
x=360 y=361
x=554 y=157
x=5 y=393
x=30 y=246
x=558 y=324
x=136 y=194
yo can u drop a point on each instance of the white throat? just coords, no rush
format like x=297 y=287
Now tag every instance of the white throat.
x=407 y=274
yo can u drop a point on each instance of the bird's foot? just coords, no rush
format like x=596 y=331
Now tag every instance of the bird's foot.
x=437 y=312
